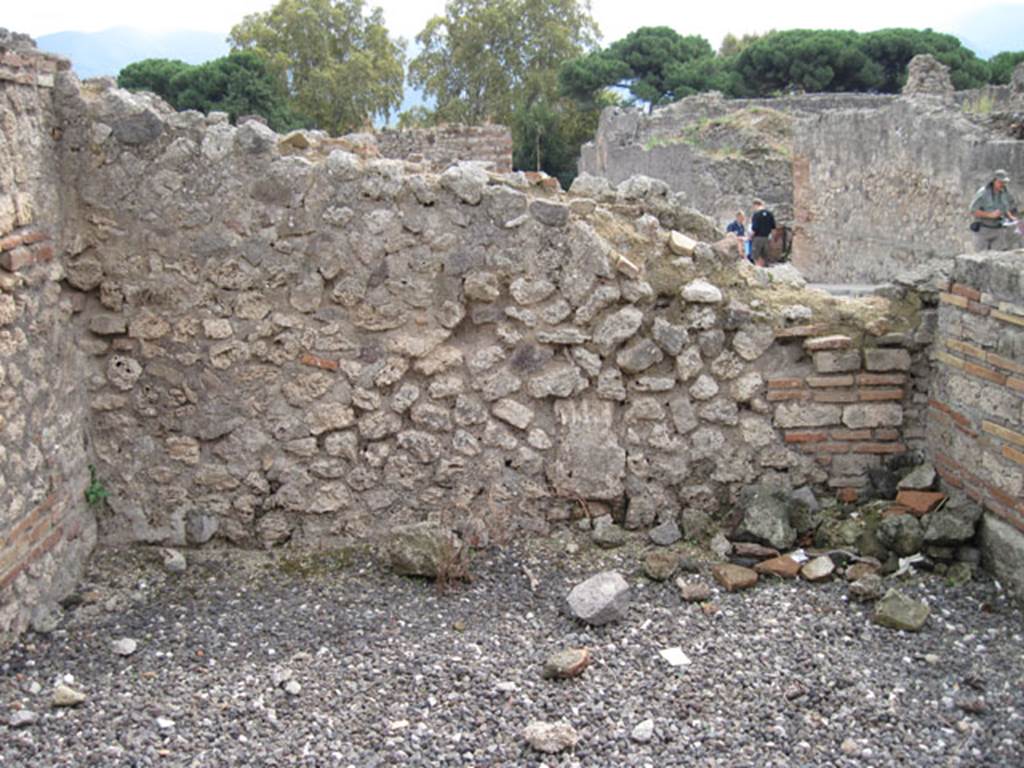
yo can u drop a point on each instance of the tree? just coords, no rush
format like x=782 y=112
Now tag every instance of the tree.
x=154 y=75
x=497 y=61
x=238 y=84
x=338 y=65
x=485 y=59
x=806 y=60
x=1001 y=66
x=892 y=50
x=651 y=62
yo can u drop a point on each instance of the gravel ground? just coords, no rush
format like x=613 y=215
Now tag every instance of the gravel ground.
x=395 y=673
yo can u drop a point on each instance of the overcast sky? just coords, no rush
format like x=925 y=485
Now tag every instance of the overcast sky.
x=406 y=17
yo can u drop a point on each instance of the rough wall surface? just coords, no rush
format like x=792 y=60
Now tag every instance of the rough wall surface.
x=439 y=148
x=300 y=347
x=46 y=531
x=976 y=424
x=870 y=184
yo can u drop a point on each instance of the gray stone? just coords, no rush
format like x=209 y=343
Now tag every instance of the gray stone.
x=550 y=738
x=921 y=478
x=837 y=361
x=590 y=463
x=125 y=646
x=790 y=415
x=565 y=664
x=753 y=341
x=887 y=360
x=671 y=338
x=639 y=356
x=818 y=569
x=557 y=380
x=720 y=545
x=666 y=534
x=704 y=388
x=22 y=718
x=1002 y=548
x=512 y=412
x=481 y=286
x=617 y=328
x=952 y=525
x=173 y=560
x=700 y=291
x=660 y=564
x=688 y=363
x=467 y=181
x=901 y=533
x=868 y=587
x=550 y=213
x=862 y=416
x=765 y=518
x=108 y=325
x=643 y=732
x=608 y=536
x=601 y=599
x=897 y=611
x=529 y=290
x=421 y=549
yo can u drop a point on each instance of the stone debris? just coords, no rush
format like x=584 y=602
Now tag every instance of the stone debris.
x=675 y=656
x=897 y=611
x=643 y=732
x=765 y=519
x=601 y=599
x=734 y=577
x=666 y=534
x=921 y=478
x=818 y=569
x=866 y=588
x=165 y=723
x=174 y=561
x=660 y=564
x=693 y=591
x=551 y=737
x=22 y=718
x=783 y=566
x=421 y=549
x=569 y=662
x=66 y=696
x=125 y=646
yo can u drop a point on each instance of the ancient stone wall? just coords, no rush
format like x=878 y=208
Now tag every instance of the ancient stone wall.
x=871 y=185
x=46 y=529
x=976 y=420
x=310 y=345
x=439 y=148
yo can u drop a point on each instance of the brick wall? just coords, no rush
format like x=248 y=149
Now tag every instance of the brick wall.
x=46 y=530
x=851 y=404
x=976 y=408
x=441 y=147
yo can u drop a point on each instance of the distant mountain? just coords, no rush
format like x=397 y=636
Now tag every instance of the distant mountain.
x=109 y=51
x=991 y=30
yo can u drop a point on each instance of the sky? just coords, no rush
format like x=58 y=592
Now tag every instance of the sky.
x=616 y=18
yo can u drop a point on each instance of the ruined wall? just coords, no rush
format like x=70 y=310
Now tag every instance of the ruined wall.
x=300 y=346
x=976 y=420
x=439 y=148
x=871 y=184
x=46 y=530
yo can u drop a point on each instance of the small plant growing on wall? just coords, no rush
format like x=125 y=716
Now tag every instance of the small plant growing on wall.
x=95 y=493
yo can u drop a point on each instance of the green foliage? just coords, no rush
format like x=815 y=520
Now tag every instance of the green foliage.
x=485 y=59
x=238 y=84
x=656 y=64
x=95 y=493
x=337 y=64
x=1001 y=66
x=892 y=50
x=497 y=61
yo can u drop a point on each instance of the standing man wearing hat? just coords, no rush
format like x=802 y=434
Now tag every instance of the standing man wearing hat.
x=992 y=205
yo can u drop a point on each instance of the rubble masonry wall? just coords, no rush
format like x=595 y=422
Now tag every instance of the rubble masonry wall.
x=46 y=529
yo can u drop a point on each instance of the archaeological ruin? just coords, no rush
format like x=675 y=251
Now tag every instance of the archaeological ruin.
x=215 y=334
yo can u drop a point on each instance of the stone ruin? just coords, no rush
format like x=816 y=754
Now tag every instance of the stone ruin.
x=212 y=333
x=871 y=185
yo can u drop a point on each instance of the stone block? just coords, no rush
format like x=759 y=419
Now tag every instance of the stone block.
x=880 y=360
x=837 y=362
x=789 y=415
x=865 y=415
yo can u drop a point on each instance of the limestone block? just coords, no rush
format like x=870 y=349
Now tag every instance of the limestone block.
x=789 y=415
x=589 y=463
x=887 y=360
x=837 y=361
x=680 y=244
x=512 y=412
x=863 y=415
x=700 y=291
x=753 y=341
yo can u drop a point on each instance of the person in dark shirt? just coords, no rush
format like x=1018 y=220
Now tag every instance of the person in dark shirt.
x=762 y=224
x=738 y=227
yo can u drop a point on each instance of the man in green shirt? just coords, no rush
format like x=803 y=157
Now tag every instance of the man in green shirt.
x=991 y=207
